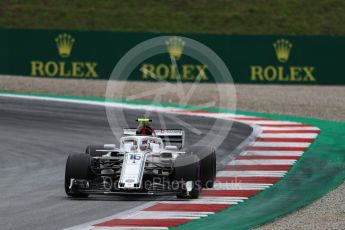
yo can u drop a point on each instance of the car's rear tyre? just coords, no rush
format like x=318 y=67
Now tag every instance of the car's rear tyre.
x=207 y=157
x=91 y=150
x=187 y=168
x=77 y=167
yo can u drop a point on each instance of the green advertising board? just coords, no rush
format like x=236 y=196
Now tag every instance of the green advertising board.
x=250 y=59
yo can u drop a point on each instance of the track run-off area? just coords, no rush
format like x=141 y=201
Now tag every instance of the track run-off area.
x=268 y=166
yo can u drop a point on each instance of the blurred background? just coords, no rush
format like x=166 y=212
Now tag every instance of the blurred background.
x=278 y=51
x=259 y=17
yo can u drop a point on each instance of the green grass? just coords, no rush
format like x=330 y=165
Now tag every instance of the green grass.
x=293 y=17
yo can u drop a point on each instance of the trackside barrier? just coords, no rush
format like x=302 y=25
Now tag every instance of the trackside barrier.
x=250 y=59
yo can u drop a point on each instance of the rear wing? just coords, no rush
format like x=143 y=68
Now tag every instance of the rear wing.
x=169 y=136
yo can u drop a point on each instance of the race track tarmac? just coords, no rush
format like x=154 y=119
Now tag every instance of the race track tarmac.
x=35 y=140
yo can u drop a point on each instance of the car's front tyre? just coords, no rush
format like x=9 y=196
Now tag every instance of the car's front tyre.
x=207 y=157
x=187 y=169
x=77 y=167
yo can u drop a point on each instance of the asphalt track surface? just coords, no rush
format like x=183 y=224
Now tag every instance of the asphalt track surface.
x=35 y=140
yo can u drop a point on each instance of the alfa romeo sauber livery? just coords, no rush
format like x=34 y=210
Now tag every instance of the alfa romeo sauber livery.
x=148 y=161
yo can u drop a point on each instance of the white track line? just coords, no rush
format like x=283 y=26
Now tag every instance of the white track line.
x=280 y=144
x=240 y=186
x=251 y=173
x=208 y=200
x=262 y=162
x=114 y=104
x=222 y=198
x=272 y=153
x=290 y=128
x=274 y=122
x=198 y=201
x=165 y=215
x=123 y=228
x=288 y=135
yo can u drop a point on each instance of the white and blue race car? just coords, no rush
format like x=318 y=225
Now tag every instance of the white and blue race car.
x=147 y=161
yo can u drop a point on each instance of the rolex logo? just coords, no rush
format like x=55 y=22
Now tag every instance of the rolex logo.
x=175 y=47
x=282 y=48
x=282 y=73
x=64 y=43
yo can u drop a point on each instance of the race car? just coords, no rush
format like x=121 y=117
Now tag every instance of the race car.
x=148 y=161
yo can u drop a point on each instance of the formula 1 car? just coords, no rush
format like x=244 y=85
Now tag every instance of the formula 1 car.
x=147 y=161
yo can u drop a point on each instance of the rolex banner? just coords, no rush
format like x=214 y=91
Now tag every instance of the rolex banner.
x=250 y=59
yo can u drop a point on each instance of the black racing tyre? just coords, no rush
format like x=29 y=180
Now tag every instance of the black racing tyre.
x=91 y=150
x=77 y=167
x=207 y=157
x=187 y=168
